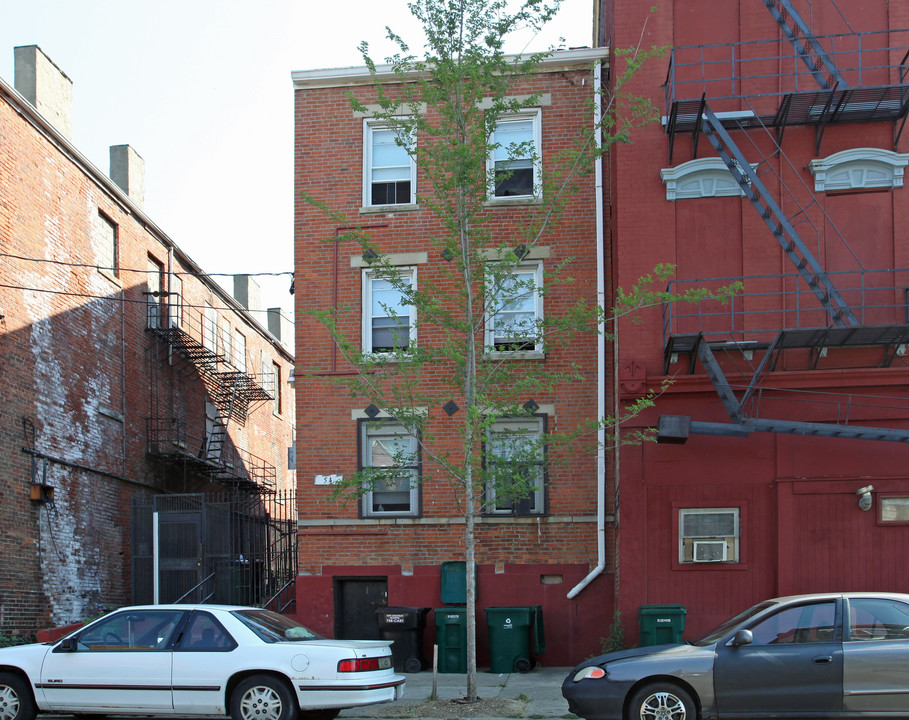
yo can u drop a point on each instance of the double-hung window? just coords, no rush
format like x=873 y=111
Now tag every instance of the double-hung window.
x=514 y=160
x=515 y=467
x=514 y=310
x=388 y=319
x=389 y=169
x=389 y=463
x=709 y=535
x=108 y=239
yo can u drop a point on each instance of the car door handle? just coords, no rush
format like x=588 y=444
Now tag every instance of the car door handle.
x=822 y=659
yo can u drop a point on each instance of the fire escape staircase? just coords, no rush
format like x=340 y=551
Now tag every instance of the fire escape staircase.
x=836 y=101
x=233 y=392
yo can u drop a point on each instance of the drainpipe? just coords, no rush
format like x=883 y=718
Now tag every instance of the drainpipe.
x=601 y=350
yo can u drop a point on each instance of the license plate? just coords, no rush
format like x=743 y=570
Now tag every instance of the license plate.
x=385 y=662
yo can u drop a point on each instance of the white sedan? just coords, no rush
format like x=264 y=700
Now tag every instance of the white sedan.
x=250 y=663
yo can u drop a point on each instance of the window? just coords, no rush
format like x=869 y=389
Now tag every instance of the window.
x=811 y=623
x=388 y=323
x=239 y=351
x=276 y=387
x=205 y=634
x=878 y=619
x=709 y=535
x=227 y=342
x=894 y=509
x=389 y=169
x=515 y=463
x=133 y=630
x=514 y=310
x=155 y=284
x=175 y=301
x=210 y=328
x=389 y=461
x=514 y=161
x=108 y=246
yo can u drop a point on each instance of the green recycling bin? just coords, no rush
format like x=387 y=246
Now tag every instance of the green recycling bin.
x=511 y=630
x=451 y=637
x=662 y=624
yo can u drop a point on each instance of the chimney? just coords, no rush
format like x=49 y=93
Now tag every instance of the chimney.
x=45 y=86
x=246 y=292
x=127 y=169
x=281 y=327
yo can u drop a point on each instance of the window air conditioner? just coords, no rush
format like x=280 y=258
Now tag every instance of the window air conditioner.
x=709 y=550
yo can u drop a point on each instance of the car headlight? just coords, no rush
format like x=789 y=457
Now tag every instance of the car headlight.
x=589 y=673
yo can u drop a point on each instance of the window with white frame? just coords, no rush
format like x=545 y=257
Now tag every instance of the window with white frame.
x=154 y=295
x=514 y=309
x=389 y=463
x=709 y=535
x=515 y=467
x=239 y=351
x=514 y=160
x=388 y=319
x=390 y=173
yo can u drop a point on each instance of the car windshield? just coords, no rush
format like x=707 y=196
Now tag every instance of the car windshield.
x=272 y=627
x=715 y=634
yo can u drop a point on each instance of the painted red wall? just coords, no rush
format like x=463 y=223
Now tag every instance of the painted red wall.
x=802 y=529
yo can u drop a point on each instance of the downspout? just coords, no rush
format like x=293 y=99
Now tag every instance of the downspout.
x=601 y=347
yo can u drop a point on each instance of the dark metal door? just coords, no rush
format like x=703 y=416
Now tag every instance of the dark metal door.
x=180 y=556
x=356 y=600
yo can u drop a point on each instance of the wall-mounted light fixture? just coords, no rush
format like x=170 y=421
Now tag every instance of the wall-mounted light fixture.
x=864 y=497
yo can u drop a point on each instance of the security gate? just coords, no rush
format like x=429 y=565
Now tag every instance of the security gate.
x=235 y=548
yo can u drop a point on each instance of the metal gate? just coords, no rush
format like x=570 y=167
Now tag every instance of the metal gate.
x=235 y=548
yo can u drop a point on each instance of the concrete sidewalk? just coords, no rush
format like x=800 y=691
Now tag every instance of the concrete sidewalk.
x=543 y=685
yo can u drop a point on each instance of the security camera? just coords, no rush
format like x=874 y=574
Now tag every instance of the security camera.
x=864 y=497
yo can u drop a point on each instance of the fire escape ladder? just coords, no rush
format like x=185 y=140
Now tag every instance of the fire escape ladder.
x=216 y=440
x=806 y=44
x=786 y=235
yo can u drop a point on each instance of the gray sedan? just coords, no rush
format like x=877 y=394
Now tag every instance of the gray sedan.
x=824 y=655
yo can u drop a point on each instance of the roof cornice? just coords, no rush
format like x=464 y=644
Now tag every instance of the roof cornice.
x=558 y=61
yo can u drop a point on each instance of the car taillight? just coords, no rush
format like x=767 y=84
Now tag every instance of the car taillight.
x=358 y=665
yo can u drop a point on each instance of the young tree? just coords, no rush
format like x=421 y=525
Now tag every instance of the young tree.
x=446 y=110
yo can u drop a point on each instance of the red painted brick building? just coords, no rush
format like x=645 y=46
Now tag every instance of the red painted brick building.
x=389 y=548
x=780 y=164
x=133 y=390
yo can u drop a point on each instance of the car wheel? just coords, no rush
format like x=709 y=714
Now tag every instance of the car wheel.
x=661 y=701
x=16 y=701
x=262 y=697
x=320 y=714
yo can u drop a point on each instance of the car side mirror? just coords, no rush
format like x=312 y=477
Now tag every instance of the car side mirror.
x=69 y=644
x=741 y=637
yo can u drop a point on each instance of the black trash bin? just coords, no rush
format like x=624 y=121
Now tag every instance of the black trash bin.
x=403 y=625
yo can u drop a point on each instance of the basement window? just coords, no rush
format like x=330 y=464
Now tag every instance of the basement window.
x=708 y=535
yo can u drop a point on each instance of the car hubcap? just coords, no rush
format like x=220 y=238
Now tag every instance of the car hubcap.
x=258 y=703
x=9 y=703
x=663 y=706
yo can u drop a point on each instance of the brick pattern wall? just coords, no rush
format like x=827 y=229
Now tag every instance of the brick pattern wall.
x=79 y=375
x=329 y=166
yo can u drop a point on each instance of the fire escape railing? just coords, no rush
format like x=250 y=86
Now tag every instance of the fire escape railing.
x=179 y=441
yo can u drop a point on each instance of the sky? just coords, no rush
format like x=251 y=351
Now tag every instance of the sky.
x=201 y=89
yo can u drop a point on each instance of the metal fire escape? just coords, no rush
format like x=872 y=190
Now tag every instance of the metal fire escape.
x=186 y=339
x=718 y=90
